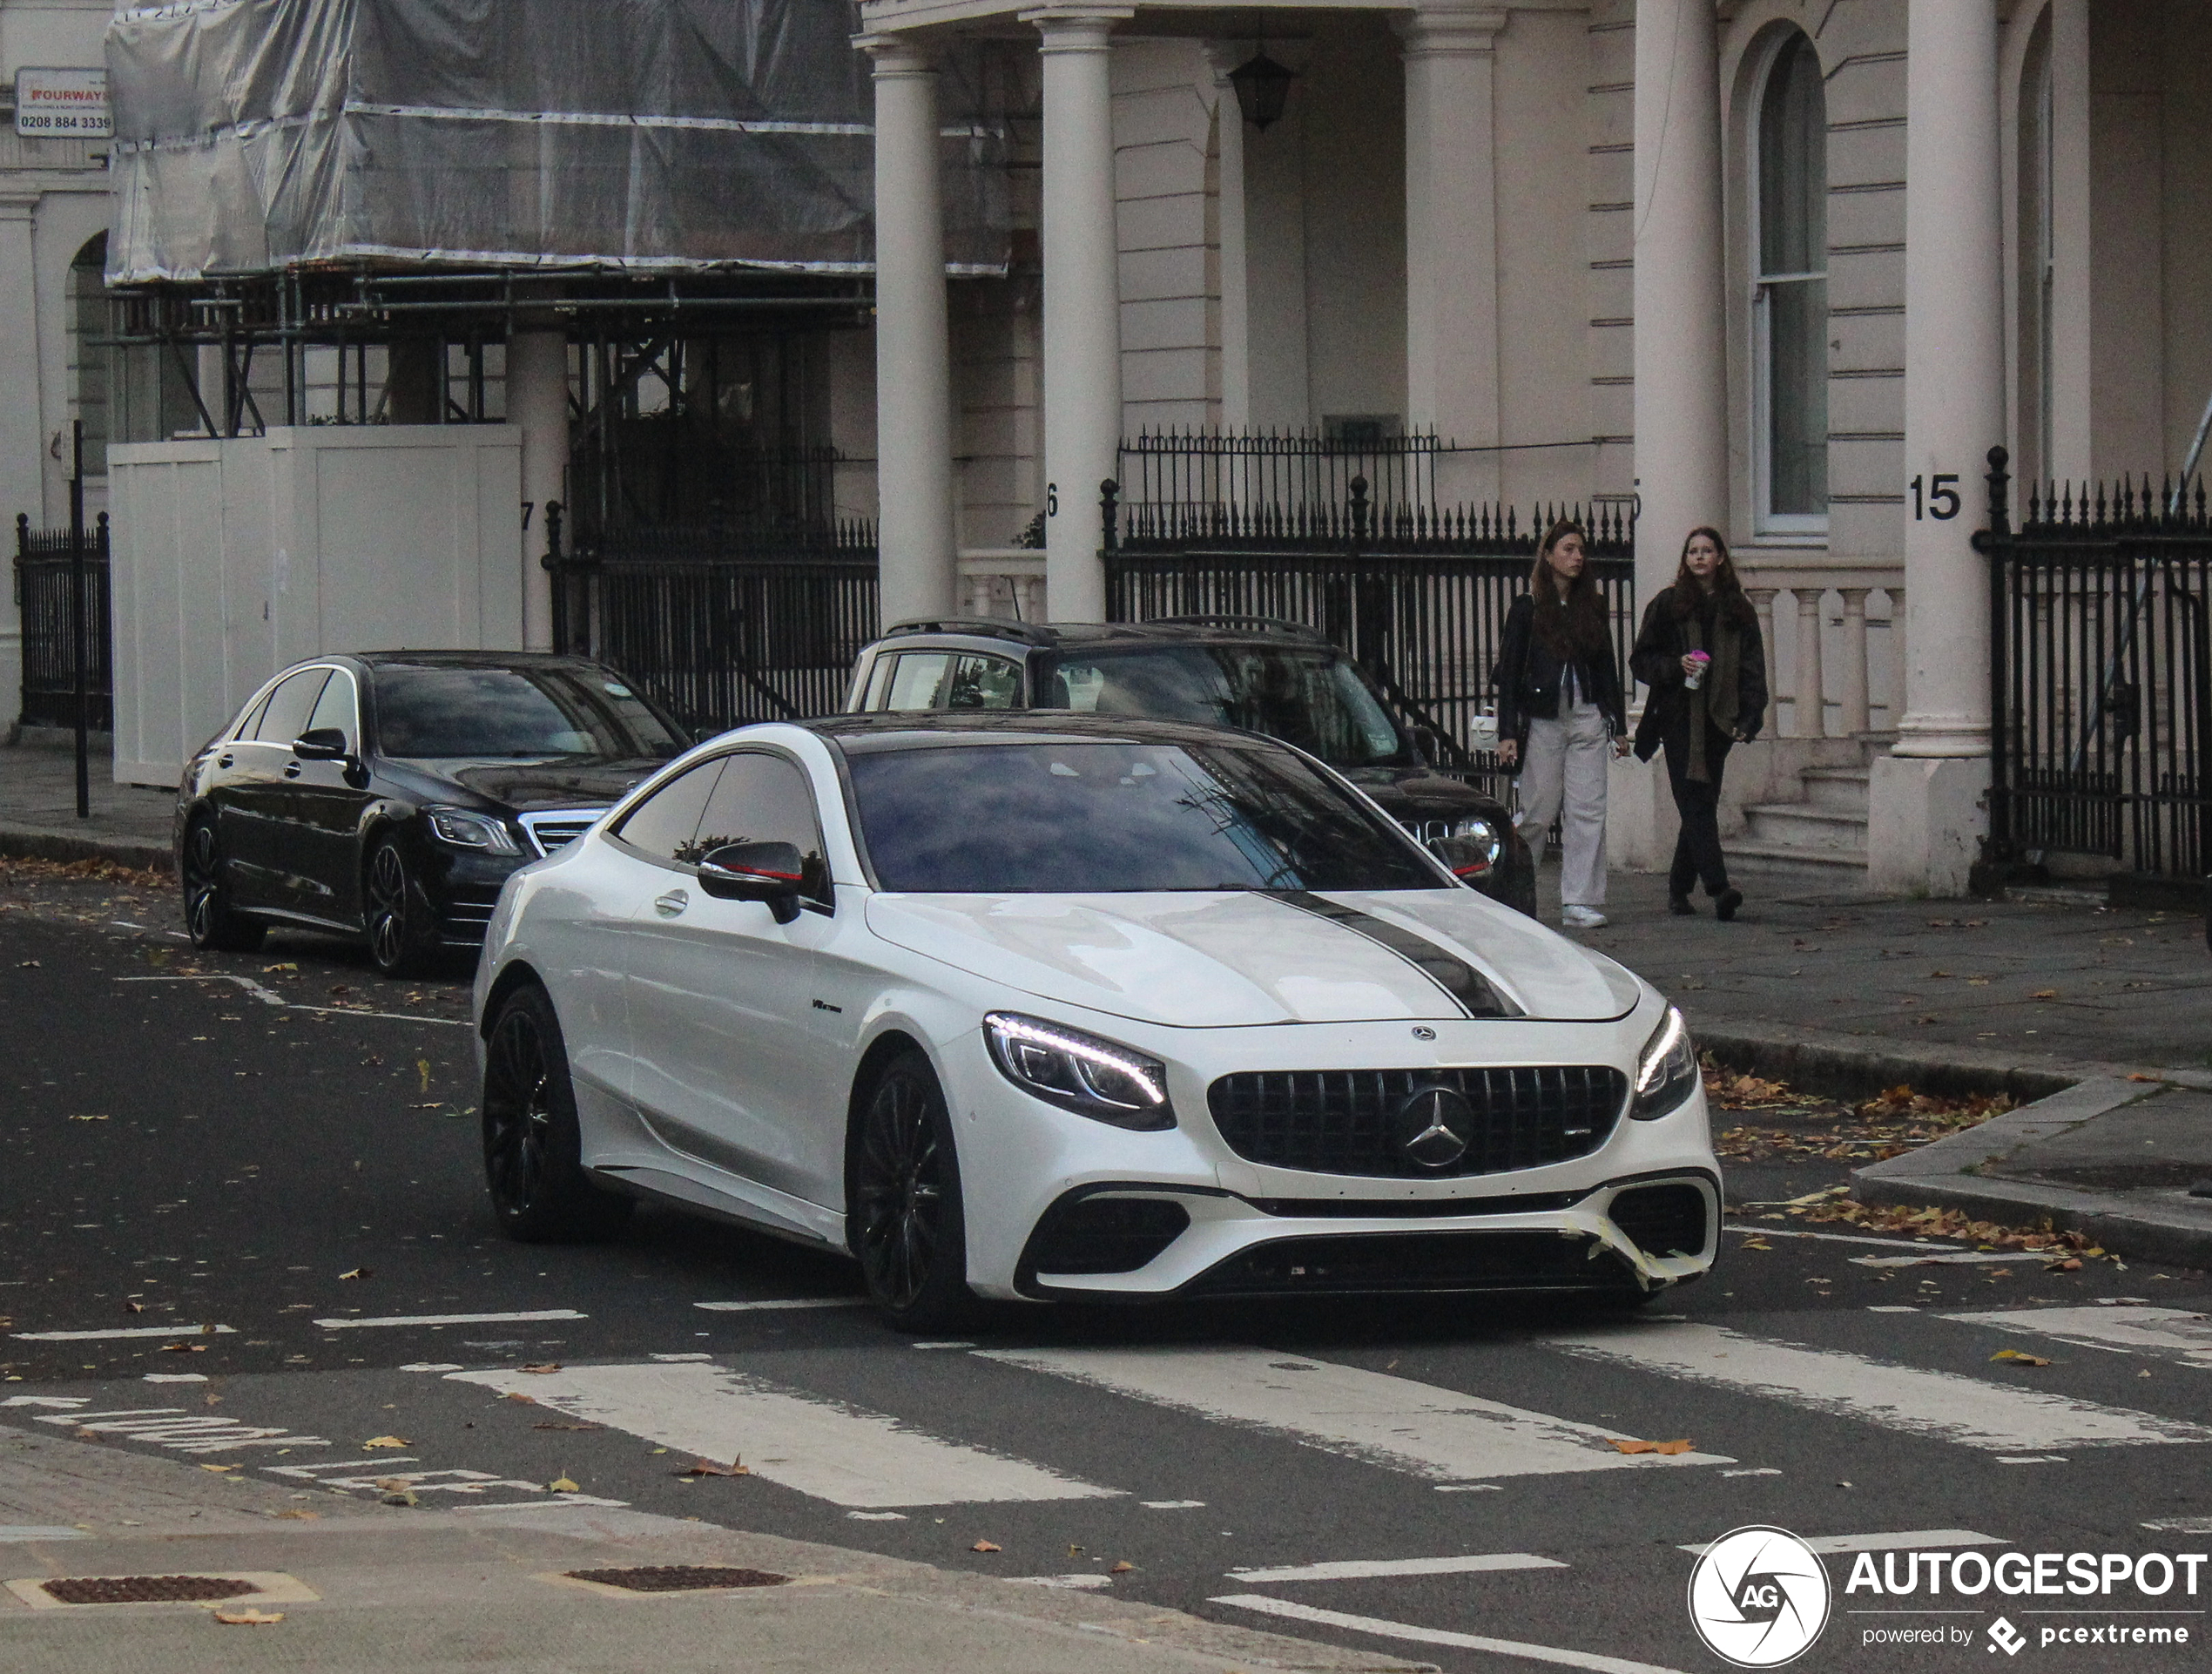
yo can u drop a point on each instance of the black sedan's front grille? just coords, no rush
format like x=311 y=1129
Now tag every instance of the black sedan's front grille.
x=1358 y=1121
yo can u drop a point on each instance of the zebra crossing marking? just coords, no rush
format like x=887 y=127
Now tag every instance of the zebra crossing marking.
x=1903 y=1540
x=1394 y=1422
x=1380 y=1569
x=1943 y=1405
x=809 y=1444
x=2123 y=1330
x=1382 y=1629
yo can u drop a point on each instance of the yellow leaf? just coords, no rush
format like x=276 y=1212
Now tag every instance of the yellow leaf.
x=219 y=1468
x=2019 y=1359
x=986 y=1546
x=1123 y=1568
x=249 y=1618
x=387 y=1442
x=562 y=1485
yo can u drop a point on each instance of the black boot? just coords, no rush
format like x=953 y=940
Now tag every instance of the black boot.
x=1726 y=902
x=1680 y=907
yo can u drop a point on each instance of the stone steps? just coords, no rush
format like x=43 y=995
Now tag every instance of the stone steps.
x=1818 y=840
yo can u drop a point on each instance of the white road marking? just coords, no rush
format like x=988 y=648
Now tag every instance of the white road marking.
x=1973 y=1259
x=1172 y=1505
x=432 y=1365
x=452 y=1318
x=1385 y=1630
x=1892 y=1307
x=1903 y=1541
x=176 y=1377
x=1469 y=1487
x=791 y=1302
x=669 y=1360
x=2130 y=1330
x=1768 y=1470
x=1943 y=1405
x=818 y=1446
x=120 y=1332
x=1075 y=1583
x=2181 y=1525
x=1841 y=1238
x=126 y=924
x=2033 y=1459
x=877 y=1516
x=1358 y=1570
x=269 y=997
x=1394 y=1422
x=184 y=1431
x=33 y=1531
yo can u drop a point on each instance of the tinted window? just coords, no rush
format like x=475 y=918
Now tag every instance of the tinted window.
x=428 y=710
x=336 y=709
x=286 y=716
x=938 y=679
x=1313 y=698
x=663 y=824
x=1082 y=818
x=761 y=798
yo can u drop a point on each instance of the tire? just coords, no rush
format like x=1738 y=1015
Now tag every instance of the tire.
x=213 y=924
x=533 y=1149
x=396 y=915
x=909 y=1224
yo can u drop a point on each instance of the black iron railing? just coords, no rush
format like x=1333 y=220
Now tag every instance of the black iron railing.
x=724 y=624
x=2101 y=669
x=46 y=573
x=1418 y=594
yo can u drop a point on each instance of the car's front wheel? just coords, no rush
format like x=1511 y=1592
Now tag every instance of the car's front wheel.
x=909 y=1230
x=211 y=921
x=402 y=937
x=533 y=1148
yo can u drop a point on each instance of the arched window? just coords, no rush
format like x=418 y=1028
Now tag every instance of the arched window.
x=1790 y=351
x=87 y=360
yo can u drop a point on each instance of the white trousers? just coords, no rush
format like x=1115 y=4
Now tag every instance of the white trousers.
x=1563 y=778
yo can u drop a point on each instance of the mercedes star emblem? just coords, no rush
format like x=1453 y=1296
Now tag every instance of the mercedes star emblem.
x=1435 y=1125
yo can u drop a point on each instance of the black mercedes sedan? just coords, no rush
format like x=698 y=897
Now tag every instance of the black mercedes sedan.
x=388 y=794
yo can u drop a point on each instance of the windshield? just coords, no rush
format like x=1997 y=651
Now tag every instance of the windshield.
x=1313 y=698
x=428 y=710
x=1083 y=818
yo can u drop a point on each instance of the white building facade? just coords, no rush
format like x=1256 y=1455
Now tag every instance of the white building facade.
x=1791 y=267
x=53 y=227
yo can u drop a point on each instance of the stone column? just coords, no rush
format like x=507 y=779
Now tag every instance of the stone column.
x=1852 y=720
x=1451 y=236
x=22 y=441
x=537 y=402
x=1235 y=283
x=1681 y=333
x=1809 y=707
x=1926 y=796
x=1082 y=324
x=913 y=394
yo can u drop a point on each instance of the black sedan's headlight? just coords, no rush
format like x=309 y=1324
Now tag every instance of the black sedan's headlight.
x=1093 y=1077
x=1667 y=1070
x=464 y=828
x=1472 y=847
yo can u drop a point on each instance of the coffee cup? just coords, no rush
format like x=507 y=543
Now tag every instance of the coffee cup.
x=1696 y=677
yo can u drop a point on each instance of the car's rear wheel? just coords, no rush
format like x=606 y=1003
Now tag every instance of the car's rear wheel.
x=211 y=921
x=402 y=929
x=533 y=1148
x=909 y=1228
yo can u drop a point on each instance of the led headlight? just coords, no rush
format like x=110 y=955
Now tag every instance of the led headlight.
x=465 y=830
x=1483 y=839
x=1667 y=1071
x=1080 y=1072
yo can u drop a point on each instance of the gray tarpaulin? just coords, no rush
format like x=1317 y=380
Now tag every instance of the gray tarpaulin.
x=253 y=135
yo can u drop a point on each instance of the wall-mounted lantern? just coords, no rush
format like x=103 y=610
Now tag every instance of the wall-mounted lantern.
x=1263 y=86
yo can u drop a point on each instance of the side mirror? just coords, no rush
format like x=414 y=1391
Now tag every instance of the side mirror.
x=770 y=872
x=321 y=744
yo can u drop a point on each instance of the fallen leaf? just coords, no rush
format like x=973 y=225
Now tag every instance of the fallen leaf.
x=564 y=1485
x=359 y=1273
x=27 y=964
x=2019 y=1359
x=2043 y=994
x=2137 y=1075
x=1755 y=1244
x=387 y=1442
x=2071 y=1265
x=134 y=1307
x=249 y=1618
x=88 y=1119
x=299 y=1516
x=422 y=1069
x=219 y=1468
x=1649 y=1446
x=708 y=1468
x=1122 y=1569
x=395 y=1484
x=402 y=1496
x=543 y=1367
x=287 y=965
x=184 y=1348
x=986 y=1546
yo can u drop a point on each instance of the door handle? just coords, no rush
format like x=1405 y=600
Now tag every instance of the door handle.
x=222 y=761
x=292 y=772
x=672 y=903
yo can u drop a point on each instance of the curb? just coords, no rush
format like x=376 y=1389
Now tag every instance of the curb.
x=2165 y=1227
x=1838 y=1063
x=34 y=843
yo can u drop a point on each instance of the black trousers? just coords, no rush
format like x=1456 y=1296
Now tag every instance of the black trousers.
x=1698 y=848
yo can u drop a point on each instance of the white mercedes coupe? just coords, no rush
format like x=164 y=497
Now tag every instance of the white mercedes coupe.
x=1053 y=1007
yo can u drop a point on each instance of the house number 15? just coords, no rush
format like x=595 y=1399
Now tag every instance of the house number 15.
x=1940 y=500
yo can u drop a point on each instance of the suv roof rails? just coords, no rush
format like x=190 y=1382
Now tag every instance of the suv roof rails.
x=988 y=627
x=1273 y=624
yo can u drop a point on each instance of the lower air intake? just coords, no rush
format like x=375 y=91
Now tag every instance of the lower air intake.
x=1105 y=1235
x=1662 y=1220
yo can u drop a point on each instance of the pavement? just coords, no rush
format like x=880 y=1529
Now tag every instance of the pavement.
x=129 y=824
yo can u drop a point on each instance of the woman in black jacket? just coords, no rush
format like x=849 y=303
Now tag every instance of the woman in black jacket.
x=1700 y=652
x=1562 y=717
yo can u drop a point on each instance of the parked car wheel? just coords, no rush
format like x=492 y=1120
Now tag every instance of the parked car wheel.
x=210 y=919
x=910 y=1233
x=403 y=940
x=533 y=1149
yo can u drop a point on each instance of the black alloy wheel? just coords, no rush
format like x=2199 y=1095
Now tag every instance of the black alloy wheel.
x=909 y=1231
x=402 y=940
x=213 y=922
x=533 y=1149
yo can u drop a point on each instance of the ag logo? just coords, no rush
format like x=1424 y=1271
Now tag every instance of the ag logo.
x=2003 y=1636
x=1759 y=1596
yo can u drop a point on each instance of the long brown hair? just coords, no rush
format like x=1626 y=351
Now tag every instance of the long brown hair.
x=1729 y=604
x=1572 y=624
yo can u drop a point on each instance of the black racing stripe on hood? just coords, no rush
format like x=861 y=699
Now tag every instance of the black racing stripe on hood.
x=1442 y=967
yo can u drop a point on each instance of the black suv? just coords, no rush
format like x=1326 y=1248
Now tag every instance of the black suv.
x=1254 y=672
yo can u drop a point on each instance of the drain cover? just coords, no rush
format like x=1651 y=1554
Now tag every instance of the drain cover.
x=144 y=1589
x=677 y=1578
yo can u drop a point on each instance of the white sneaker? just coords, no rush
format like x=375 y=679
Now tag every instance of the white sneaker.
x=1582 y=918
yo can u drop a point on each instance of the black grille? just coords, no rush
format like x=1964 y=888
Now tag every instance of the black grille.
x=1378 y=1262
x=1345 y=1121
x=1662 y=1220
x=1105 y=1235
